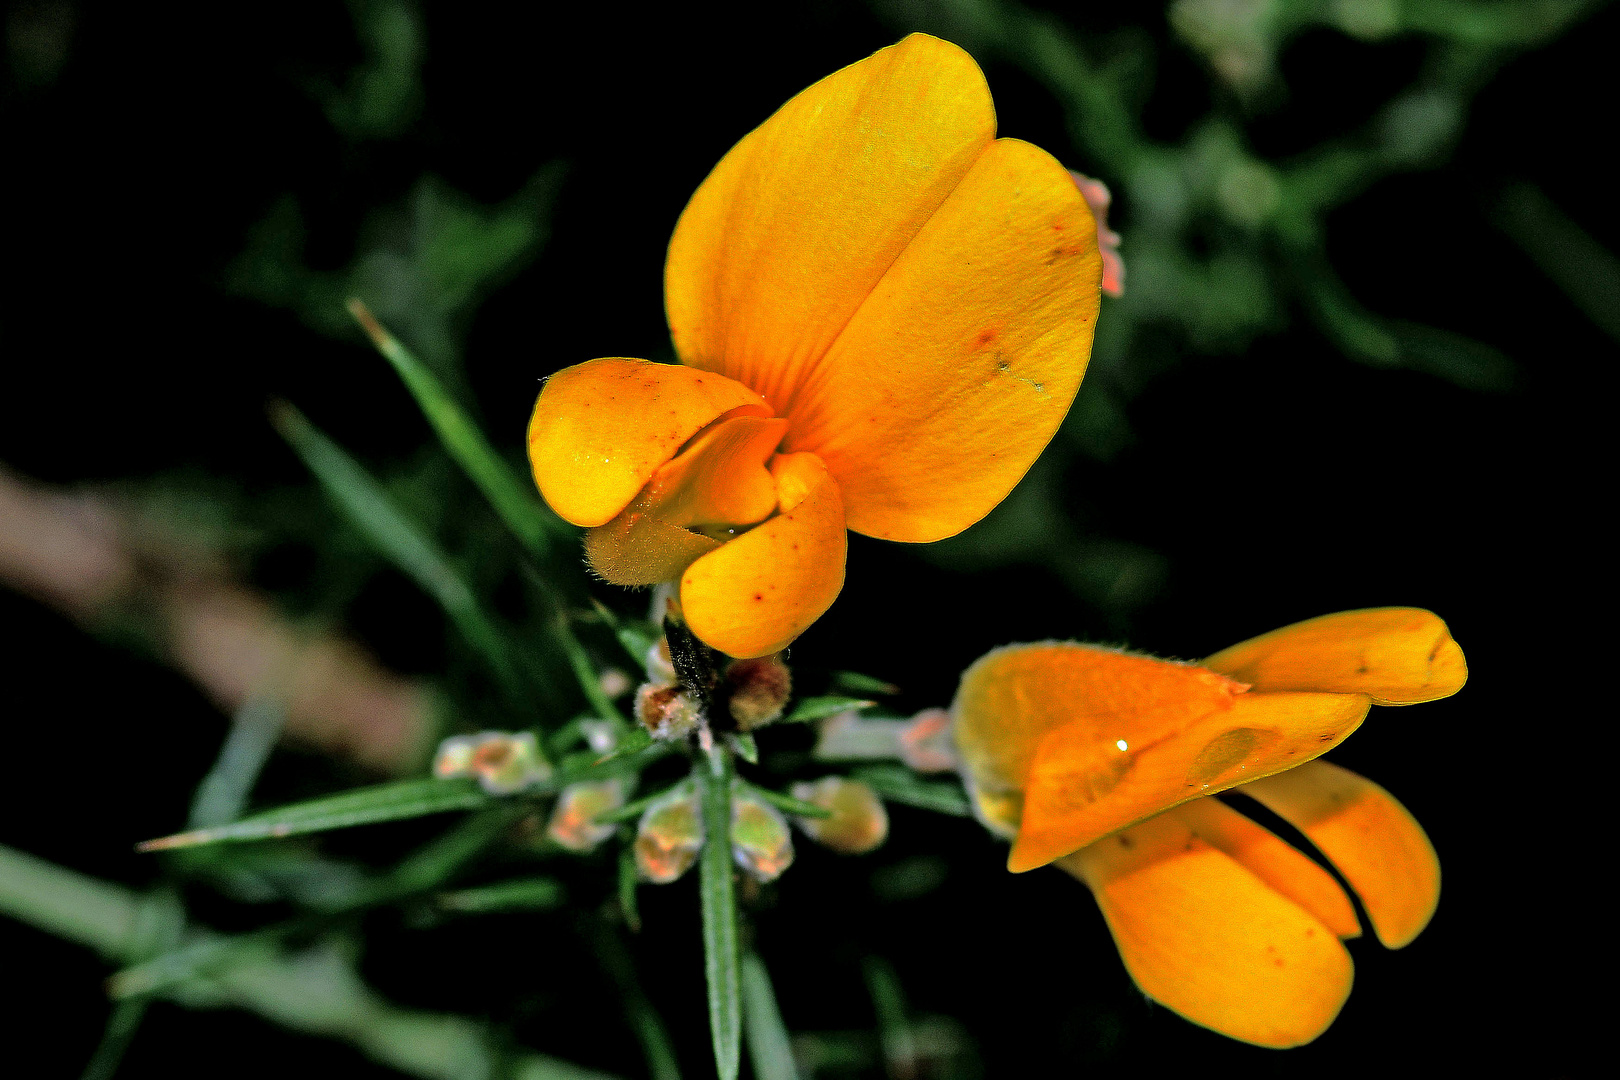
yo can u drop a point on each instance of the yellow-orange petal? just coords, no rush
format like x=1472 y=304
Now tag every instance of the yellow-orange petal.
x=602 y=428
x=1376 y=844
x=1207 y=938
x=1012 y=697
x=1079 y=791
x=791 y=231
x=1283 y=867
x=755 y=594
x=957 y=370
x=1397 y=656
x=721 y=479
x=639 y=547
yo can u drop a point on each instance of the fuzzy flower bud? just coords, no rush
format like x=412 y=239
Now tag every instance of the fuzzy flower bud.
x=669 y=837
x=859 y=822
x=502 y=761
x=667 y=710
x=761 y=842
x=757 y=690
x=573 y=819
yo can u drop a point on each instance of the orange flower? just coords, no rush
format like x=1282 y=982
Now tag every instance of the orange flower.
x=882 y=314
x=1100 y=760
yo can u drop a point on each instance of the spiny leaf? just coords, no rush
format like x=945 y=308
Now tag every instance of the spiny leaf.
x=384 y=802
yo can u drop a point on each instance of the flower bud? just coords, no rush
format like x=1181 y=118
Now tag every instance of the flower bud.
x=614 y=682
x=859 y=822
x=761 y=842
x=600 y=735
x=573 y=819
x=925 y=742
x=502 y=761
x=660 y=668
x=757 y=690
x=1098 y=198
x=667 y=710
x=669 y=837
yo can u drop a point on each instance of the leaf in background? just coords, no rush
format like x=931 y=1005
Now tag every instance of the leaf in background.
x=384 y=93
x=512 y=496
x=856 y=683
x=896 y=783
x=1586 y=271
x=628 y=881
x=769 y=1047
x=384 y=802
x=225 y=790
x=719 y=902
x=819 y=708
x=422 y=263
x=520 y=894
x=637 y=638
x=888 y=1001
x=746 y=748
x=368 y=507
x=644 y=1019
x=788 y=803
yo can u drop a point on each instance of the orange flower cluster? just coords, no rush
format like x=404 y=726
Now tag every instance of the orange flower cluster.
x=1101 y=761
x=882 y=313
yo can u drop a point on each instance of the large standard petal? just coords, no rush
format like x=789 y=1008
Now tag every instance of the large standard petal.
x=791 y=231
x=1279 y=864
x=1398 y=656
x=1376 y=844
x=602 y=428
x=1079 y=791
x=1209 y=939
x=1012 y=697
x=955 y=373
x=755 y=594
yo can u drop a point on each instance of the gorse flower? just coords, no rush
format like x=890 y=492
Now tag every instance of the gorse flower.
x=1100 y=761
x=882 y=314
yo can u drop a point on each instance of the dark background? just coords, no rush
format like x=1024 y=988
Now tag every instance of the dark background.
x=1253 y=483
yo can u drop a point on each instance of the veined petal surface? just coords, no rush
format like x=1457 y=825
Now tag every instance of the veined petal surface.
x=955 y=373
x=1207 y=938
x=1376 y=844
x=755 y=594
x=1078 y=791
x=602 y=428
x=1398 y=656
x=799 y=221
